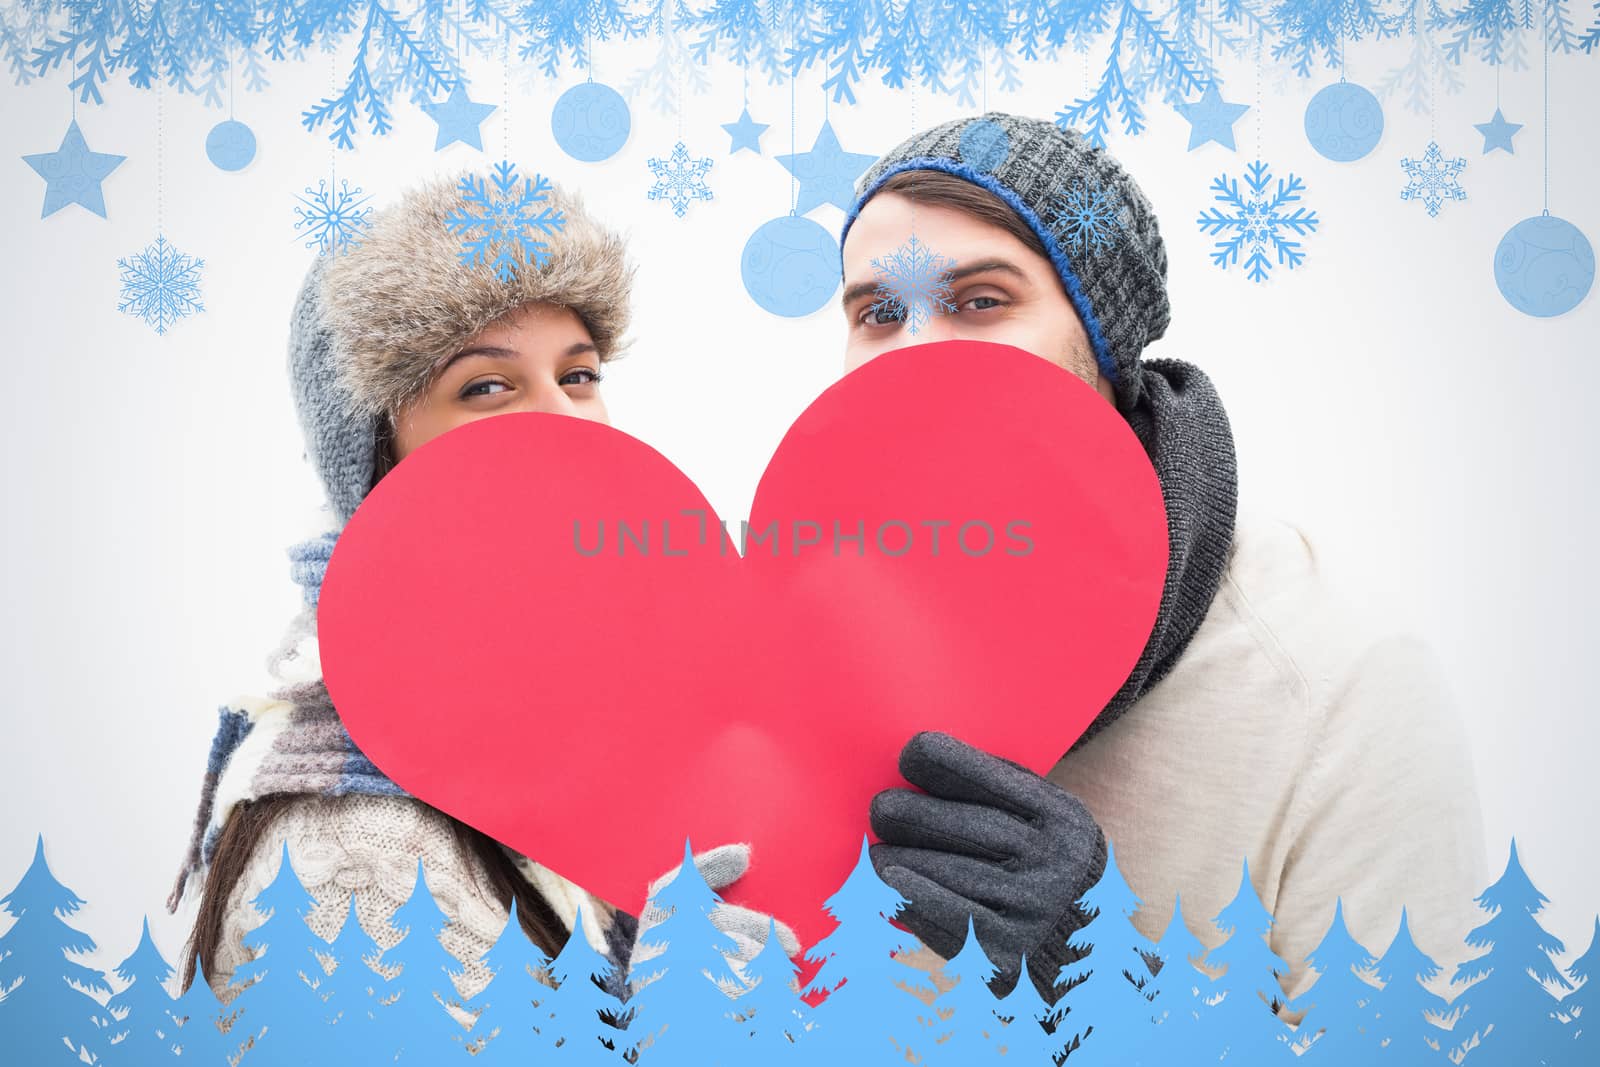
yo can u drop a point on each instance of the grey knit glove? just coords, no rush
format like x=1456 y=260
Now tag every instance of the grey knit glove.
x=746 y=927
x=989 y=838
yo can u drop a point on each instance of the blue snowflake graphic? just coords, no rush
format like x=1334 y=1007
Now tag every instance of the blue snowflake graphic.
x=1258 y=221
x=679 y=179
x=1433 y=178
x=913 y=284
x=332 y=216
x=1088 y=218
x=160 y=285
x=498 y=215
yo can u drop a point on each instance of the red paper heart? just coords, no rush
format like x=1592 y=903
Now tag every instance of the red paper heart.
x=593 y=710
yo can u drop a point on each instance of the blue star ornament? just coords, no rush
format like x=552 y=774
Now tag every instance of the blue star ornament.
x=746 y=133
x=1497 y=133
x=73 y=174
x=827 y=173
x=458 y=118
x=1211 y=119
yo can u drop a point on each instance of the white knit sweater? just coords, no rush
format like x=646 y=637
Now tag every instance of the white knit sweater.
x=370 y=845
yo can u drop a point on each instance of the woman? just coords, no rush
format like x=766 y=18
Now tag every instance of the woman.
x=391 y=345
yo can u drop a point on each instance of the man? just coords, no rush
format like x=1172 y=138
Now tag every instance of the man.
x=1260 y=724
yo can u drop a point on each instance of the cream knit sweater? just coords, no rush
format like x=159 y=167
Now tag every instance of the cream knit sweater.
x=1291 y=735
x=370 y=845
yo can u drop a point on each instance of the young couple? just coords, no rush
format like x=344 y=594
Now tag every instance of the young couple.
x=1260 y=724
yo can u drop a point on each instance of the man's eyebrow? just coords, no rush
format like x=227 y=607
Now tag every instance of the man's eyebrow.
x=981 y=266
x=577 y=348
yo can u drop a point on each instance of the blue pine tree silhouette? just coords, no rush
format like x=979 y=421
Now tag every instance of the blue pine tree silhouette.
x=966 y=1011
x=1409 y=1020
x=1242 y=1026
x=352 y=1035
x=686 y=1005
x=194 y=1026
x=417 y=1015
x=506 y=1020
x=1512 y=999
x=572 y=1013
x=869 y=1015
x=48 y=1010
x=281 y=1006
x=1107 y=1017
x=1179 y=991
x=143 y=1006
x=1026 y=1036
x=1338 y=1024
x=1583 y=1003
x=774 y=1016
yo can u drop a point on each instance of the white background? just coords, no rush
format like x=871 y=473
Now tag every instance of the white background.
x=1436 y=443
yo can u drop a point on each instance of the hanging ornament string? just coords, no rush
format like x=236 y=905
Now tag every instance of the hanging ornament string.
x=1258 y=93
x=1545 y=47
x=794 y=182
x=1433 y=96
x=160 y=158
x=505 y=94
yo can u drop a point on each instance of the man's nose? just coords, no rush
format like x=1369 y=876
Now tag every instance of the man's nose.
x=938 y=327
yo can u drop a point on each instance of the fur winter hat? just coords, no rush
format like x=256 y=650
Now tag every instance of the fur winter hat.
x=371 y=327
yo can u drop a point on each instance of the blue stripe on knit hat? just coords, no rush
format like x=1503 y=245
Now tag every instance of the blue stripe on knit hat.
x=1058 y=258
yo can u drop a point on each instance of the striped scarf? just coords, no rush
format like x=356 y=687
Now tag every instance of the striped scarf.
x=289 y=742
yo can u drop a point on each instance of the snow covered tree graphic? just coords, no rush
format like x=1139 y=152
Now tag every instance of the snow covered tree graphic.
x=869 y=1014
x=1178 y=991
x=685 y=1004
x=48 y=1012
x=508 y=1033
x=774 y=1015
x=143 y=1007
x=1409 y=1021
x=1103 y=996
x=308 y=1003
x=1516 y=980
x=1339 y=1021
x=1242 y=1026
x=965 y=1013
x=280 y=1007
x=425 y=988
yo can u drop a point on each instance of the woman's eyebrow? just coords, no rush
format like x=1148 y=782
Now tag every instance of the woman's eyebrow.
x=981 y=266
x=577 y=348
x=493 y=351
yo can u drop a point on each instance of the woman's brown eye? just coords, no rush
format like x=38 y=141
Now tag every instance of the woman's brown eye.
x=581 y=376
x=484 y=388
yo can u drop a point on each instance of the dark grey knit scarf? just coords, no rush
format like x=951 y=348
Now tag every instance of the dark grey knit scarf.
x=1180 y=421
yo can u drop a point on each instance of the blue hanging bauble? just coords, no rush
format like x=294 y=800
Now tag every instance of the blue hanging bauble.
x=1544 y=266
x=790 y=266
x=591 y=122
x=231 y=145
x=1344 y=122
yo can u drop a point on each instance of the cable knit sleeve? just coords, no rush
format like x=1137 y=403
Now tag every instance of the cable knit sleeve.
x=368 y=845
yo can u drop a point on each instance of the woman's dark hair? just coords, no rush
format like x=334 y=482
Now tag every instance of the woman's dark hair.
x=938 y=189
x=247 y=825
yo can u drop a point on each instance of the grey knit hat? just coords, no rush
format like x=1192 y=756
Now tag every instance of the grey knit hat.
x=371 y=327
x=1095 y=224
